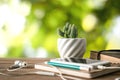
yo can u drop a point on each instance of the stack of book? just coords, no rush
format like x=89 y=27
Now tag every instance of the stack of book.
x=72 y=72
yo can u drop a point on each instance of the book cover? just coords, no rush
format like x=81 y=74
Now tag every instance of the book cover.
x=71 y=72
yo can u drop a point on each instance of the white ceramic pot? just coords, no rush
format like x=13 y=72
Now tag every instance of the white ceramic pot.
x=71 y=47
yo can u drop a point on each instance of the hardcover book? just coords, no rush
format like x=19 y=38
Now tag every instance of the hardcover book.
x=113 y=57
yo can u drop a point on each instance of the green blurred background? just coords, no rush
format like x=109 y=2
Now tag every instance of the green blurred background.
x=28 y=28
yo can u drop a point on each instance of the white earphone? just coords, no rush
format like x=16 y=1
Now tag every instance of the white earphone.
x=20 y=63
x=17 y=65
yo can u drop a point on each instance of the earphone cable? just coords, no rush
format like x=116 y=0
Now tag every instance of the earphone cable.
x=104 y=67
x=8 y=69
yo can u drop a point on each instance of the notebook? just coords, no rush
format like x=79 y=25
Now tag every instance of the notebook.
x=71 y=72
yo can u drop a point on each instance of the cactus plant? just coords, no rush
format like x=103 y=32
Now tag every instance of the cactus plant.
x=68 y=31
x=69 y=45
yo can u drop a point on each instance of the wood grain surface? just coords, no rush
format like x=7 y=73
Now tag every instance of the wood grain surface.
x=6 y=62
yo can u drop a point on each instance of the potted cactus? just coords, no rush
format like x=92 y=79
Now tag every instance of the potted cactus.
x=70 y=45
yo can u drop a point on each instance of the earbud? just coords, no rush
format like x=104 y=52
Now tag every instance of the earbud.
x=20 y=63
x=17 y=65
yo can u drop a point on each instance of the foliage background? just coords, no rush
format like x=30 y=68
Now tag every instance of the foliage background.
x=28 y=27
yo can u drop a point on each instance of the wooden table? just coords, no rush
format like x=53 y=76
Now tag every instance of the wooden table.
x=5 y=63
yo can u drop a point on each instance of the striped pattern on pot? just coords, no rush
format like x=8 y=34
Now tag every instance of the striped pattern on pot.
x=71 y=47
